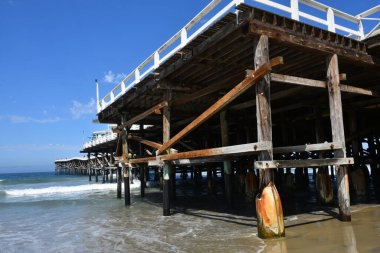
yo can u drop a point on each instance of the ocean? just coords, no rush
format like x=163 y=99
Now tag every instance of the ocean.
x=42 y=212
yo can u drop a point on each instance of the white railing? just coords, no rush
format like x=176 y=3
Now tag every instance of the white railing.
x=100 y=139
x=183 y=37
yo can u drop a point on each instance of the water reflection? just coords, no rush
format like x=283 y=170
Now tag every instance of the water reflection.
x=349 y=238
x=276 y=246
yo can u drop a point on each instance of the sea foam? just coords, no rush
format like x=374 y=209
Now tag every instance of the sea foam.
x=78 y=189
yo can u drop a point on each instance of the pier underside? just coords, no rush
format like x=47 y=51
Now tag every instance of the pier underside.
x=254 y=96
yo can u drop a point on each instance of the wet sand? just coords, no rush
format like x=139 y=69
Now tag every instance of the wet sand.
x=95 y=221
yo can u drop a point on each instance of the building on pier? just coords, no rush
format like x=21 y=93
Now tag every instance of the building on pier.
x=275 y=92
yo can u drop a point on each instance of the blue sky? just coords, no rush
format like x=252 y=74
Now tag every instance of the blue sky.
x=50 y=54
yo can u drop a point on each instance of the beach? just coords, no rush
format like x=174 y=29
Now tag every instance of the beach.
x=41 y=212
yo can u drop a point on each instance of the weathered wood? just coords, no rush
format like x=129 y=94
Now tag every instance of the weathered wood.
x=226 y=163
x=142 y=160
x=166 y=166
x=321 y=84
x=302 y=163
x=224 y=101
x=357 y=174
x=323 y=182
x=143 y=141
x=119 y=179
x=241 y=149
x=270 y=220
x=142 y=116
x=291 y=37
x=125 y=163
x=142 y=180
x=308 y=147
x=297 y=80
x=337 y=129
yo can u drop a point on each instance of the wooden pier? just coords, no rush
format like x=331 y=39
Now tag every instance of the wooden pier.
x=255 y=95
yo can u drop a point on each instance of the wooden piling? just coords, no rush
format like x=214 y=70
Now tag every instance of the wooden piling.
x=119 y=179
x=125 y=165
x=323 y=182
x=337 y=128
x=227 y=171
x=270 y=221
x=166 y=167
x=142 y=181
x=358 y=173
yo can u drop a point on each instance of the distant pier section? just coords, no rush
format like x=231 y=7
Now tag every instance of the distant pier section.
x=259 y=95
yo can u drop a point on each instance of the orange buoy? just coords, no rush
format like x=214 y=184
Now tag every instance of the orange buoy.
x=270 y=219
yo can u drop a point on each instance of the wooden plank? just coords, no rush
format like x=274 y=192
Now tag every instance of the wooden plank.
x=309 y=147
x=357 y=90
x=291 y=37
x=241 y=149
x=142 y=115
x=337 y=129
x=297 y=80
x=321 y=84
x=302 y=163
x=227 y=169
x=142 y=160
x=143 y=141
x=224 y=101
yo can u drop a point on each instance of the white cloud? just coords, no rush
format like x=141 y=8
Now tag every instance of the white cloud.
x=112 y=78
x=78 y=109
x=17 y=119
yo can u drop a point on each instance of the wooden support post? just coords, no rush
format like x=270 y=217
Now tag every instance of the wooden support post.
x=226 y=164
x=323 y=182
x=96 y=176
x=119 y=179
x=270 y=220
x=359 y=172
x=111 y=175
x=167 y=166
x=125 y=164
x=337 y=129
x=142 y=181
x=89 y=167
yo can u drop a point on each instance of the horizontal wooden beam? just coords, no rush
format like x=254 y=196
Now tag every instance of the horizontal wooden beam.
x=143 y=141
x=302 y=163
x=224 y=101
x=142 y=115
x=221 y=151
x=297 y=80
x=291 y=37
x=321 y=84
x=308 y=147
x=357 y=90
x=142 y=160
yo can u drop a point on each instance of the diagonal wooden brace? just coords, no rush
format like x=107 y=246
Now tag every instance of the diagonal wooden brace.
x=223 y=102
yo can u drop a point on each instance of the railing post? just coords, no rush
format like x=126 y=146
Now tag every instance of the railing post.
x=112 y=96
x=123 y=87
x=183 y=37
x=330 y=20
x=156 y=59
x=295 y=10
x=361 y=29
x=137 y=76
